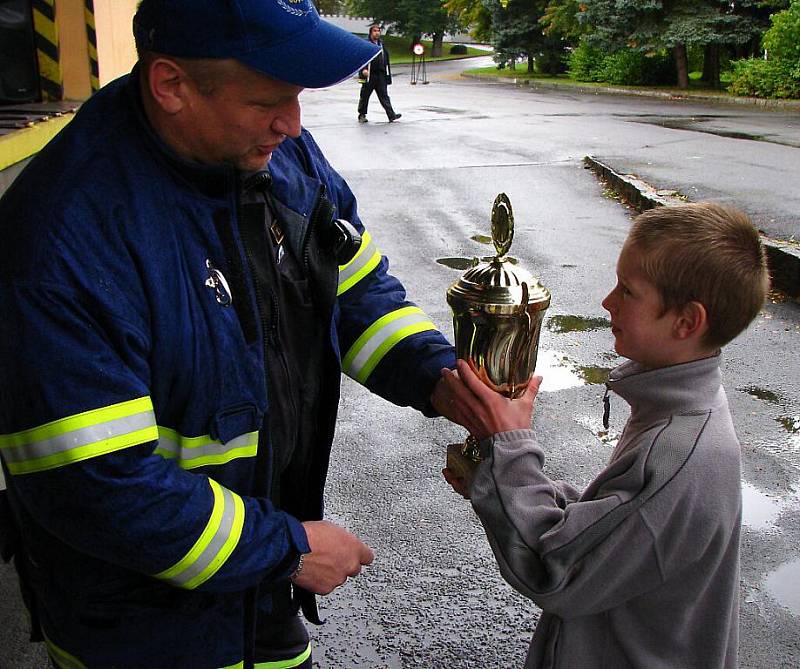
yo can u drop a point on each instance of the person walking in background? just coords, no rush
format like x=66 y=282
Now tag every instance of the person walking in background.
x=376 y=76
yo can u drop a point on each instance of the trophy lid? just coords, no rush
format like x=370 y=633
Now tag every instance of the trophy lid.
x=494 y=283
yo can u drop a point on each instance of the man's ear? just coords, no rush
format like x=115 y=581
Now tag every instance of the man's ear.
x=168 y=84
x=691 y=321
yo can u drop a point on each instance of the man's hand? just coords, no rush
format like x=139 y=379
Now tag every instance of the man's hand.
x=463 y=398
x=443 y=399
x=335 y=555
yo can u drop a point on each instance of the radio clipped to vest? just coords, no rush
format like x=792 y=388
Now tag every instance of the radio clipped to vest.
x=346 y=240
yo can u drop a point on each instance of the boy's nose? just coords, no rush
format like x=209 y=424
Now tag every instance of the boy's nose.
x=607 y=302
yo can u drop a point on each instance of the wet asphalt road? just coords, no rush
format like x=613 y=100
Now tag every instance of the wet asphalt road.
x=425 y=185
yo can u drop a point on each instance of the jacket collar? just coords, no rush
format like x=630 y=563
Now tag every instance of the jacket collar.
x=691 y=386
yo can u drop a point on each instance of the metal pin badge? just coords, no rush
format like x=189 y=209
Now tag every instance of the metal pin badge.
x=219 y=284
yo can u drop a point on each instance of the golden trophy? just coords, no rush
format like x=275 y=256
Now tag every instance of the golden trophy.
x=498 y=310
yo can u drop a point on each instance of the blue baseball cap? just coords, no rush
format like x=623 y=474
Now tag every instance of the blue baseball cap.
x=284 y=39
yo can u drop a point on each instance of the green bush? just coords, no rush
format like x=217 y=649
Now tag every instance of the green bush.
x=782 y=40
x=584 y=63
x=765 y=78
x=458 y=50
x=633 y=68
x=626 y=67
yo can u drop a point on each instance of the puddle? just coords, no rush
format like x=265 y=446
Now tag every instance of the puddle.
x=593 y=375
x=759 y=511
x=482 y=239
x=466 y=263
x=790 y=423
x=568 y=323
x=558 y=372
x=762 y=394
x=443 y=110
x=457 y=263
x=783 y=585
x=691 y=124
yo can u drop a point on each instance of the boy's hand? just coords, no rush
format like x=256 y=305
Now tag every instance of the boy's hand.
x=482 y=410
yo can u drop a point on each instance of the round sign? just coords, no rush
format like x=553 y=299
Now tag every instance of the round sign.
x=419 y=49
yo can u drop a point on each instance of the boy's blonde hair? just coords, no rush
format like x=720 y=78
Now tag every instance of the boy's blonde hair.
x=706 y=253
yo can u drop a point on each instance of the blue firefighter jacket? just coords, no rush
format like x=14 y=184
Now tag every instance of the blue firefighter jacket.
x=131 y=397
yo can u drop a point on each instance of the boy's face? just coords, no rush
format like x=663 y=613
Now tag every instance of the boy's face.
x=641 y=331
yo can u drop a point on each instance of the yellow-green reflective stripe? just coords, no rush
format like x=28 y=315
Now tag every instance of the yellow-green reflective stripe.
x=380 y=337
x=365 y=260
x=61 y=657
x=216 y=543
x=286 y=664
x=192 y=452
x=238 y=665
x=80 y=437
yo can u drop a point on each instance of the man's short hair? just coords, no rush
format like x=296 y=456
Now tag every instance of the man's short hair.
x=706 y=253
x=208 y=74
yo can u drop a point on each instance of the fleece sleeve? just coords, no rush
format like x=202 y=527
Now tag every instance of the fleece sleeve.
x=573 y=557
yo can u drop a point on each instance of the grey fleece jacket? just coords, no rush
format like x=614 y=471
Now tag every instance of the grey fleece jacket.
x=642 y=569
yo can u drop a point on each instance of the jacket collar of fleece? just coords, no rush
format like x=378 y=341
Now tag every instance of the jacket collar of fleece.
x=688 y=387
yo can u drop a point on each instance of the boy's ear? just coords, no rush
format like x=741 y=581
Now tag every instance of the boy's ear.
x=691 y=321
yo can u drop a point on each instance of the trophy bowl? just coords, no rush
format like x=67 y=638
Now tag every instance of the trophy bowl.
x=498 y=309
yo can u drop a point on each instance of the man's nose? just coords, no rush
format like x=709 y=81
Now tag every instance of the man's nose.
x=288 y=122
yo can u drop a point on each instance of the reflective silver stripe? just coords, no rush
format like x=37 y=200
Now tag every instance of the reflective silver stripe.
x=216 y=543
x=80 y=437
x=192 y=452
x=86 y=435
x=380 y=338
x=367 y=258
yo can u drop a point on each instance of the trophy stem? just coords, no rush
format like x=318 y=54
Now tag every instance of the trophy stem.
x=463 y=459
x=471 y=449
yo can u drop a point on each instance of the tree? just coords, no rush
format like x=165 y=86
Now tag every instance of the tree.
x=410 y=17
x=650 y=25
x=328 y=6
x=474 y=15
x=562 y=18
x=518 y=33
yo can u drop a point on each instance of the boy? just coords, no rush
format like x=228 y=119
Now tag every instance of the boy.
x=642 y=568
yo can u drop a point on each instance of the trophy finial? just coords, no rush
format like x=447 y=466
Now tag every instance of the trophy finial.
x=502 y=224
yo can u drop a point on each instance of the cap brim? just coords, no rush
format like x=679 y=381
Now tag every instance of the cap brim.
x=320 y=57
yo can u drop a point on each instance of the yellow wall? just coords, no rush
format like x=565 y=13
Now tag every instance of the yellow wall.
x=72 y=49
x=116 y=52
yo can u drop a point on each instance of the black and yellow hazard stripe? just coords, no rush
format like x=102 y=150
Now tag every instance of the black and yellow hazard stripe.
x=91 y=38
x=51 y=80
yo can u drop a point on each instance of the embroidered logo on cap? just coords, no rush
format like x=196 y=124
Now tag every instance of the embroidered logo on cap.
x=296 y=10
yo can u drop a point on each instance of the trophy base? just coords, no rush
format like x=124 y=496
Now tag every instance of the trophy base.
x=463 y=466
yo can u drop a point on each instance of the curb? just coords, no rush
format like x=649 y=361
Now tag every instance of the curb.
x=775 y=105
x=783 y=257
